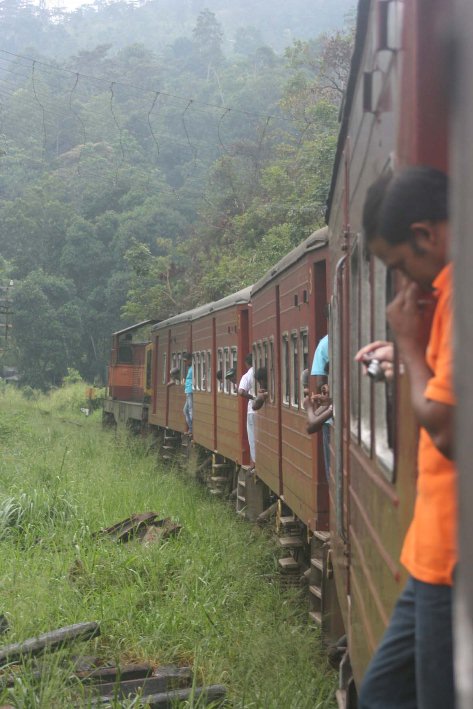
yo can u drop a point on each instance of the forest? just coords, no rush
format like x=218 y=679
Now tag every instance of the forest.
x=152 y=160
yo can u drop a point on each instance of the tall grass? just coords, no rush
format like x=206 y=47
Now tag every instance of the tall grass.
x=207 y=597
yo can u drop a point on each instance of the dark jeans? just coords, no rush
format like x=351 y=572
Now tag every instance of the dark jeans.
x=413 y=666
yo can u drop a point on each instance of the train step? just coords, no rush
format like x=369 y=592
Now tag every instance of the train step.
x=221 y=466
x=323 y=536
x=316 y=591
x=218 y=479
x=315 y=617
x=317 y=563
x=288 y=563
x=242 y=483
x=216 y=492
x=291 y=542
x=283 y=521
x=169 y=448
x=241 y=498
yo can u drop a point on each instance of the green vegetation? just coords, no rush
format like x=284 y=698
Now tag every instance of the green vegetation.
x=208 y=597
x=141 y=178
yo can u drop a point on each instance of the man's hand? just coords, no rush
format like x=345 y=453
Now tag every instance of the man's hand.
x=410 y=315
x=381 y=350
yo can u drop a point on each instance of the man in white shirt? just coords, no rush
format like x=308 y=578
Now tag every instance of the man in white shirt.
x=246 y=389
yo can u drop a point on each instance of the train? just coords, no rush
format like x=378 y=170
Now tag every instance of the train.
x=408 y=101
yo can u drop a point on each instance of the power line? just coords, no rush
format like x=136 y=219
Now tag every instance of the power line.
x=187 y=99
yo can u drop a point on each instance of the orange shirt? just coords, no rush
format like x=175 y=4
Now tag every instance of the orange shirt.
x=430 y=552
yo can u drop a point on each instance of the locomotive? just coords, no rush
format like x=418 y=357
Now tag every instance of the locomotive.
x=399 y=110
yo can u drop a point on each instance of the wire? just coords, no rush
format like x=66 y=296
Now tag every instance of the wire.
x=187 y=99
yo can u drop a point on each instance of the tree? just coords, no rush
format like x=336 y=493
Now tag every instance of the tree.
x=208 y=38
x=47 y=328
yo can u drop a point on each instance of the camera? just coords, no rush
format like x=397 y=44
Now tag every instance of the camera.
x=375 y=370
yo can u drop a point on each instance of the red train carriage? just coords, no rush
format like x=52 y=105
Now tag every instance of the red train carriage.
x=393 y=113
x=171 y=339
x=215 y=334
x=129 y=375
x=289 y=318
x=220 y=341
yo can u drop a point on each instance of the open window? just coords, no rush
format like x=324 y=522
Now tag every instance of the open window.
x=286 y=371
x=220 y=372
x=383 y=391
x=209 y=371
x=165 y=368
x=271 y=378
x=295 y=370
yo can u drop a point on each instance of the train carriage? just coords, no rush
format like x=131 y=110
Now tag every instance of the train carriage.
x=129 y=375
x=229 y=320
x=172 y=338
x=394 y=114
x=289 y=317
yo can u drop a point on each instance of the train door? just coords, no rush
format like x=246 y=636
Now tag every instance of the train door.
x=318 y=288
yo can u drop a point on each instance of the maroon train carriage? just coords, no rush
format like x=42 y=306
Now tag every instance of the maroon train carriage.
x=394 y=114
x=289 y=318
x=129 y=376
x=171 y=339
x=215 y=333
x=220 y=342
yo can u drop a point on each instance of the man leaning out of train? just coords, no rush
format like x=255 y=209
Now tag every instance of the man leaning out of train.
x=405 y=221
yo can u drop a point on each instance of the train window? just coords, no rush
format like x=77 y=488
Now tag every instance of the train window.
x=165 y=368
x=295 y=372
x=203 y=371
x=271 y=370
x=234 y=365
x=365 y=334
x=209 y=371
x=304 y=350
x=304 y=358
x=355 y=341
x=180 y=365
x=286 y=371
x=196 y=372
x=226 y=367
x=383 y=391
x=259 y=355
x=220 y=369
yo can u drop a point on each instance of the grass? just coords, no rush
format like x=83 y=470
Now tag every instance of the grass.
x=208 y=598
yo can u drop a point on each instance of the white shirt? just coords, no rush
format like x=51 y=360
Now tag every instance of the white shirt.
x=247 y=383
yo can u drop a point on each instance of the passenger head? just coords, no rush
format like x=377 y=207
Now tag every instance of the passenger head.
x=231 y=374
x=249 y=360
x=187 y=357
x=405 y=221
x=305 y=382
x=261 y=376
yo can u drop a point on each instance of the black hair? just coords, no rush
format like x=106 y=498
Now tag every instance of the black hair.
x=249 y=359
x=187 y=356
x=261 y=375
x=392 y=204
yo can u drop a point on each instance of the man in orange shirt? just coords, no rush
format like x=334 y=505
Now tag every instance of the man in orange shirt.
x=405 y=220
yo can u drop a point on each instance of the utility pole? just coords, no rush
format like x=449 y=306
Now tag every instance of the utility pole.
x=6 y=313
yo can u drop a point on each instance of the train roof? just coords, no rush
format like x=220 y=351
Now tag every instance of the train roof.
x=362 y=16
x=136 y=326
x=241 y=297
x=315 y=241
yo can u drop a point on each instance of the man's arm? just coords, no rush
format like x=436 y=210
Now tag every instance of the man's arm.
x=406 y=322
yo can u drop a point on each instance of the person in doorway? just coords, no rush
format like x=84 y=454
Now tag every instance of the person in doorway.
x=317 y=406
x=405 y=221
x=188 y=391
x=246 y=389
